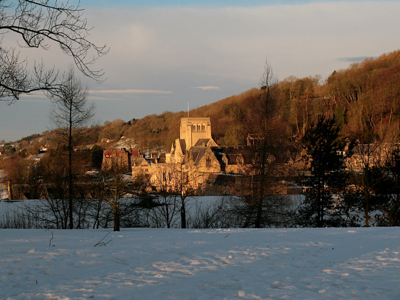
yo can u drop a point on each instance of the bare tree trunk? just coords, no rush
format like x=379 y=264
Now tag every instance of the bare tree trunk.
x=116 y=218
x=183 y=213
x=116 y=204
x=260 y=198
x=70 y=196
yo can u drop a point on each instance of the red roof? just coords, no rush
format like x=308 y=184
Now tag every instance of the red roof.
x=135 y=152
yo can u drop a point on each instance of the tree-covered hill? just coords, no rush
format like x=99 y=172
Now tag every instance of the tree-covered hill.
x=364 y=98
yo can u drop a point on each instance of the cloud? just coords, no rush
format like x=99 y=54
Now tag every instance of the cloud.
x=129 y=91
x=34 y=97
x=206 y=88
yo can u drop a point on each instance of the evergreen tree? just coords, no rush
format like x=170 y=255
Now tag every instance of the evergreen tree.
x=326 y=174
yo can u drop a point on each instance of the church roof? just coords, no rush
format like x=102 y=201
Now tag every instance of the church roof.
x=232 y=153
x=197 y=153
x=182 y=143
x=201 y=143
x=137 y=161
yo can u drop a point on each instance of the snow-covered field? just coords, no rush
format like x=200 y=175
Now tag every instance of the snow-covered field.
x=337 y=263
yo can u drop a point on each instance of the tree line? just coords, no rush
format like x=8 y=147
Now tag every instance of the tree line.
x=335 y=193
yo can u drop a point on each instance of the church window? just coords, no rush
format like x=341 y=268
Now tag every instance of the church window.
x=208 y=162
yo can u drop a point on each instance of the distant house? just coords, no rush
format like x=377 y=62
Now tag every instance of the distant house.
x=254 y=140
x=43 y=149
x=32 y=157
x=369 y=155
x=121 y=159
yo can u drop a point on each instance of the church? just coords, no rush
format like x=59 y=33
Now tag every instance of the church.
x=196 y=163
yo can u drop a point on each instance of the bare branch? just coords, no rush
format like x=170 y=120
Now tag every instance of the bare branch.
x=101 y=243
x=41 y=24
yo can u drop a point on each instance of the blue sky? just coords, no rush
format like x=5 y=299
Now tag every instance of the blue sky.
x=166 y=54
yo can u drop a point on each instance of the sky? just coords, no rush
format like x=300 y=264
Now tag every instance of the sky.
x=166 y=55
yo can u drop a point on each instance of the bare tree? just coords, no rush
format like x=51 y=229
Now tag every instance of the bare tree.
x=70 y=111
x=179 y=187
x=41 y=24
x=369 y=166
x=127 y=199
x=260 y=124
x=116 y=190
x=174 y=191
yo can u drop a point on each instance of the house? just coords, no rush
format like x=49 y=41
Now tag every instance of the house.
x=369 y=155
x=120 y=159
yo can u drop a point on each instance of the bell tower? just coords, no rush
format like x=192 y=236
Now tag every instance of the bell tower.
x=194 y=129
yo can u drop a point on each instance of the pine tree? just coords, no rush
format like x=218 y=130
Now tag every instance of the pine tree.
x=327 y=177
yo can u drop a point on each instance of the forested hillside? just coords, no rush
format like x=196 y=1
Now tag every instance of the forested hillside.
x=364 y=98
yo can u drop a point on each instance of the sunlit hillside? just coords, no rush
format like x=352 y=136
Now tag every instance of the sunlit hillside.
x=364 y=98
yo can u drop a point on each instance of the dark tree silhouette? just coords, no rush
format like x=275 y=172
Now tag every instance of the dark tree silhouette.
x=325 y=150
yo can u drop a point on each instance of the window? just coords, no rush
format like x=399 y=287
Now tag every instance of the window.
x=208 y=162
x=170 y=176
x=164 y=176
x=193 y=127
x=203 y=127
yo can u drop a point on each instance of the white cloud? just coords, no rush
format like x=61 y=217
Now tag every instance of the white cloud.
x=206 y=88
x=129 y=91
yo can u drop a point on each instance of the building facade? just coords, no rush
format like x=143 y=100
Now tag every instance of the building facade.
x=196 y=163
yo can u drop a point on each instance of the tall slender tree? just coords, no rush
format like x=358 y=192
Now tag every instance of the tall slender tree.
x=261 y=123
x=70 y=111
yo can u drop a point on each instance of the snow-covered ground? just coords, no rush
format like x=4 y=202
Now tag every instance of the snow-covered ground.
x=337 y=263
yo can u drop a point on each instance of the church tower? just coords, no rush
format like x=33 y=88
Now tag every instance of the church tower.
x=194 y=129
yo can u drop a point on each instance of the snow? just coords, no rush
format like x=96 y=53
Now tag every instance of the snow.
x=329 y=263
